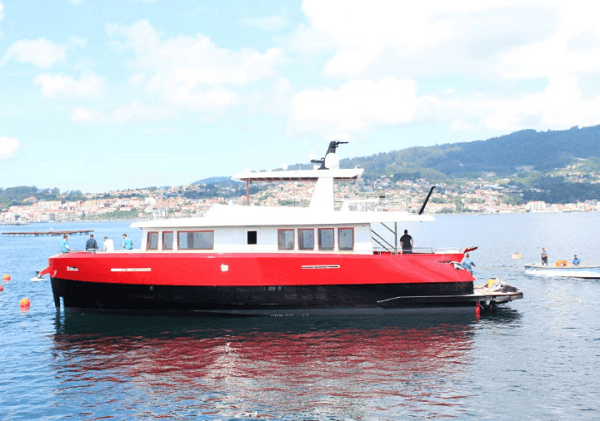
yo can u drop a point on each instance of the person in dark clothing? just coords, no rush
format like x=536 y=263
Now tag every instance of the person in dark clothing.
x=544 y=257
x=91 y=244
x=407 y=242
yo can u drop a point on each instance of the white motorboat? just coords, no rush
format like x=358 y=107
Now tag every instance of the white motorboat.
x=569 y=271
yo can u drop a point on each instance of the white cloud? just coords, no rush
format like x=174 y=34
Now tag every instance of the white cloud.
x=40 y=52
x=135 y=111
x=560 y=106
x=88 y=116
x=267 y=23
x=1 y=11
x=191 y=72
x=8 y=146
x=77 y=41
x=355 y=106
x=497 y=38
x=62 y=86
x=474 y=60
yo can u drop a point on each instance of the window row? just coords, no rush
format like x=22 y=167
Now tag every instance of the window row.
x=186 y=240
x=306 y=239
x=286 y=239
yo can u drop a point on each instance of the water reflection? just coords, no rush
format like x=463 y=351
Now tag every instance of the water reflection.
x=301 y=366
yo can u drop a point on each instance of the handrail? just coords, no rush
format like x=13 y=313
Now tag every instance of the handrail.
x=390 y=249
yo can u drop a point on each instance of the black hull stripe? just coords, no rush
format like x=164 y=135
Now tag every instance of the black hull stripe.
x=262 y=300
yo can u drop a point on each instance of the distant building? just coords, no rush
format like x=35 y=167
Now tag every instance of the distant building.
x=536 y=205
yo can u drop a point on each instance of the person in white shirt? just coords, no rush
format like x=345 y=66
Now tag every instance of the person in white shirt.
x=108 y=244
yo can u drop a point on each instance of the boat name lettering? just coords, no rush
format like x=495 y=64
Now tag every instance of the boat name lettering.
x=320 y=266
x=72 y=269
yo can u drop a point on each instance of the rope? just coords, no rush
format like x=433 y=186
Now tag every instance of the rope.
x=499 y=268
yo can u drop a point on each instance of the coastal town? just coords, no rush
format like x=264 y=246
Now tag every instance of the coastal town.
x=383 y=193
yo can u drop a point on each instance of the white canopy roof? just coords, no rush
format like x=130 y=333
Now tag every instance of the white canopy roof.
x=300 y=175
x=231 y=216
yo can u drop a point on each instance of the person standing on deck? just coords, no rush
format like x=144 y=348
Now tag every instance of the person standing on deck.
x=467 y=263
x=64 y=245
x=544 y=257
x=576 y=260
x=108 y=244
x=127 y=243
x=407 y=243
x=91 y=244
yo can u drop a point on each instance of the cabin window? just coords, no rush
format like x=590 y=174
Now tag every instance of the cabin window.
x=306 y=239
x=346 y=238
x=196 y=240
x=285 y=239
x=152 y=243
x=167 y=240
x=325 y=238
x=252 y=237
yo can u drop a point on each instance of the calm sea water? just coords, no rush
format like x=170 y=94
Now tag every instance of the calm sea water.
x=536 y=358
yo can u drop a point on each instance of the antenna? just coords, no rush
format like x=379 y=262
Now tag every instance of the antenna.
x=426 y=200
x=333 y=145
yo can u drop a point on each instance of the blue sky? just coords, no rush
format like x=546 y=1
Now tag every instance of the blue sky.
x=106 y=95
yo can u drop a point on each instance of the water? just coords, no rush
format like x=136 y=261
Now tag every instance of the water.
x=535 y=358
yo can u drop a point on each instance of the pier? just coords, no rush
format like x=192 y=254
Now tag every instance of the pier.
x=44 y=233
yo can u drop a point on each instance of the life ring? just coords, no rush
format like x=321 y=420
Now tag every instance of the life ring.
x=561 y=263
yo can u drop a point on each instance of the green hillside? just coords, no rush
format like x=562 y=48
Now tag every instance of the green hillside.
x=504 y=155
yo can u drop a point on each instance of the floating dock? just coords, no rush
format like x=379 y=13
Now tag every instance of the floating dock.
x=44 y=233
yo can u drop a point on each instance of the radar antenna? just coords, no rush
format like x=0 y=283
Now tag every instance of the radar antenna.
x=333 y=145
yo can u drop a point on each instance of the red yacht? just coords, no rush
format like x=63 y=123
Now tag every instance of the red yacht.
x=246 y=260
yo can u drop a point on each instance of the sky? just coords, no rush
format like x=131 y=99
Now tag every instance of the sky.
x=105 y=95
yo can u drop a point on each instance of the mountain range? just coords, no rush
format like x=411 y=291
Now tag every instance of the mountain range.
x=504 y=155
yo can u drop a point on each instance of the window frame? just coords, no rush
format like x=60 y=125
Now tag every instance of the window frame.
x=321 y=248
x=193 y=231
x=148 y=240
x=340 y=243
x=163 y=240
x=313 y=239
x=279 y=230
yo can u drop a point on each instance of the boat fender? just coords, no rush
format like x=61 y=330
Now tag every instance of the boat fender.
x=561 y=263
x=493 y=281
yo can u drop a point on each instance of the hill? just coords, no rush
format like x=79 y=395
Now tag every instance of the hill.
x=504 y=155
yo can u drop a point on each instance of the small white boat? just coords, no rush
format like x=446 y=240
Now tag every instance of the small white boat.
x=570 y=271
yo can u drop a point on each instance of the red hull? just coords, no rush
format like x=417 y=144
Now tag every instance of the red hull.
x=214 y=269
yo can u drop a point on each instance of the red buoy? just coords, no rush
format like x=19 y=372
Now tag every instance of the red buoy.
x=1 y=288
x=477 y=310
x=24 y=303
x=6 y=277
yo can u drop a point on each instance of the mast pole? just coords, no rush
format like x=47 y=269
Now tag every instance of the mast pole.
x=248 y=192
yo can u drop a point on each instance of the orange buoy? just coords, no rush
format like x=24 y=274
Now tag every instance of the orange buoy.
x=6 y=277
x=24 y=303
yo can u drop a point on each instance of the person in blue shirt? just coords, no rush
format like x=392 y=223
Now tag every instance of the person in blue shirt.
x=467 y=263
x=576 y=261
x=127 y=243
x=64 y=244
